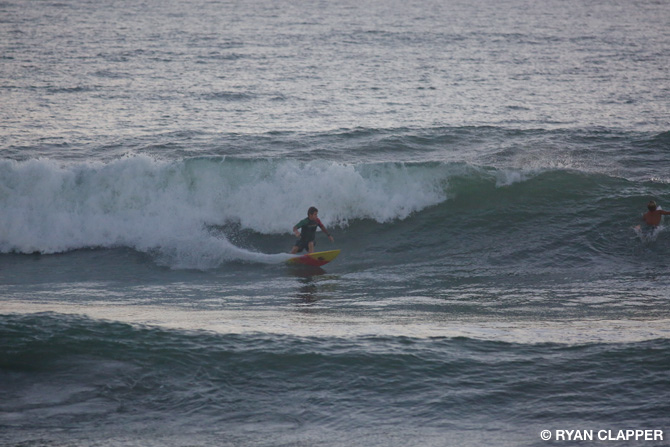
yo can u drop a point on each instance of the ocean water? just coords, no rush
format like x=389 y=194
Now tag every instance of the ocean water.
x=481 y=165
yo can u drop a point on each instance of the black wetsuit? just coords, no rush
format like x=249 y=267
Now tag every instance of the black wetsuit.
x=308 y=228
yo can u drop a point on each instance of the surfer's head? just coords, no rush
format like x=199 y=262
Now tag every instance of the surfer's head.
x=312 y=211
x=651 y=206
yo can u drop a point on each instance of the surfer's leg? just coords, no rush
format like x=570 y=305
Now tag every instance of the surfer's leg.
x=300 y=245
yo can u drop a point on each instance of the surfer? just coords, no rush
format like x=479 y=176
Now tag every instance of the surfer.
x=653 y=216
x=307 y=234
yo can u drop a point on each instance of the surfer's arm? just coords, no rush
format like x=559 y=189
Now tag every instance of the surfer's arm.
x=297 y=226
x=323 y=228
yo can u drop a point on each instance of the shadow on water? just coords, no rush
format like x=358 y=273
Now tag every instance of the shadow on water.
x=312 y=284
x=308 y=292
x=305 y=271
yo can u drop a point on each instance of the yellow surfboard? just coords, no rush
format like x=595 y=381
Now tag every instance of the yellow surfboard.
x=314 y=259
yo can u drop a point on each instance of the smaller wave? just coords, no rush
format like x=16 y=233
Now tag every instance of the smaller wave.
x=103 y=371
x=77 y=89
x=228 y=96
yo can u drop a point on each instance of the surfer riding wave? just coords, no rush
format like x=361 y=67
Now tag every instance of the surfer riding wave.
x=307 y=234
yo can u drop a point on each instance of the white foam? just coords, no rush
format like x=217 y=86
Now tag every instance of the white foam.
x=166 y=207
x=647 y=233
